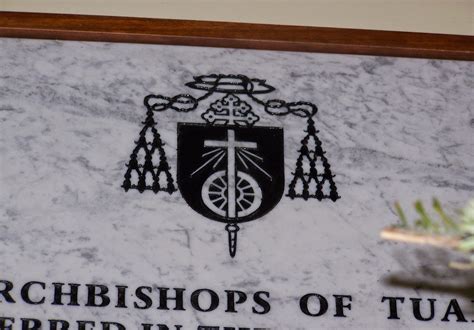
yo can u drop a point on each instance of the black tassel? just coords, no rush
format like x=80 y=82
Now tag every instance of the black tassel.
x=312 y=184
x=153 y=167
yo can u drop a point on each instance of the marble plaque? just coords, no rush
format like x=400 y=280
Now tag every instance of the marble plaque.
x=164 y=187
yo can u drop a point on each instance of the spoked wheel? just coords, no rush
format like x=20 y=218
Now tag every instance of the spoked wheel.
x=248 y=194
x=248 y=198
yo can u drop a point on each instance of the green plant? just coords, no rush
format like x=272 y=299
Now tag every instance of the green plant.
x=442 y=230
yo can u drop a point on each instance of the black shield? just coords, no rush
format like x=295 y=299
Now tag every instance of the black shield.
x=220 y=191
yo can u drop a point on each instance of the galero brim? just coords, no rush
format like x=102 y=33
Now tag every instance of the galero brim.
x=236 y=84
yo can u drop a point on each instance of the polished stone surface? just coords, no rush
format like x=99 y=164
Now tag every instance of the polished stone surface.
x=393 y=129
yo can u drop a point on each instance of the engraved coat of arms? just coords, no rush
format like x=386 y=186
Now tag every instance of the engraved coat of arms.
x=230 y=169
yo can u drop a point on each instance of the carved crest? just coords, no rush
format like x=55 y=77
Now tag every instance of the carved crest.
x=229 y=169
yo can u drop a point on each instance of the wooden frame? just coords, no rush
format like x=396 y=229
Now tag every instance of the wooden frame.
x=235 y=35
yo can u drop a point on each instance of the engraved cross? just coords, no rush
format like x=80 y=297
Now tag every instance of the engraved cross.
x=231 y=145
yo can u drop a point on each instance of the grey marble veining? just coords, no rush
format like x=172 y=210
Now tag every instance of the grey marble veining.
x=393 y=129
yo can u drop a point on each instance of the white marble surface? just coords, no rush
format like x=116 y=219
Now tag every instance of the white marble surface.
x=393 y=129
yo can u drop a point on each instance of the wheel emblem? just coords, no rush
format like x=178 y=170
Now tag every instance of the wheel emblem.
x=248 y=194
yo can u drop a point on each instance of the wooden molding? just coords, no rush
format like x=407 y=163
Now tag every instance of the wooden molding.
x=235 y=35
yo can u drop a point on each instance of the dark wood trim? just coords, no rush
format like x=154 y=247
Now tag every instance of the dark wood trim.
x=235 y=35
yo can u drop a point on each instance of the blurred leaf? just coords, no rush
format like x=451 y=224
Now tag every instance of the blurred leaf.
x=424 y=221
x=401 y=215
x=468 y=213
x=447 y=221
x=467 y=228
x=467 y=245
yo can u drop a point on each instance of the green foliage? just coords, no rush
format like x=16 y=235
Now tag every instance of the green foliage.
x=401 y=215
x=448 y=222
x=443 y=225
x=467 y=229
